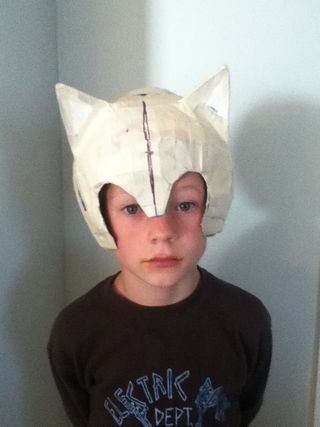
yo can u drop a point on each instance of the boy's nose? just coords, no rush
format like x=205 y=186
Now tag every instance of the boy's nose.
x=162 y=228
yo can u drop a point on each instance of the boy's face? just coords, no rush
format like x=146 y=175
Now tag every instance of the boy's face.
x=159 y=251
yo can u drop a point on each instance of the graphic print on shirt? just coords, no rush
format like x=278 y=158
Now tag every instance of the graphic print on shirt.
x=154 y=389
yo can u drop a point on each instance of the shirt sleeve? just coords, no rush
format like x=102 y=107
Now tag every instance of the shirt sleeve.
x=67 y=375
x=252 y=394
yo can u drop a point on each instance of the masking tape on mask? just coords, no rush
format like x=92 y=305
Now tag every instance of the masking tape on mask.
x=144 y=142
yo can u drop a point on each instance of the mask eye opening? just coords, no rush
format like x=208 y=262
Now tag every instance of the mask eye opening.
x=104 y=209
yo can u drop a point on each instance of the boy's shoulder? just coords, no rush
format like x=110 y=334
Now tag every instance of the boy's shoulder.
x=233 y=302
x=75 y=318
x=91 y=300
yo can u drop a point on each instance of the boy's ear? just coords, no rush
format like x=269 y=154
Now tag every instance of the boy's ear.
x=75 y=108
x=212 y=100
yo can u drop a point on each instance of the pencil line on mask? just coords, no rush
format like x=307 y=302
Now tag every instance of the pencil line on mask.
x=149 y=154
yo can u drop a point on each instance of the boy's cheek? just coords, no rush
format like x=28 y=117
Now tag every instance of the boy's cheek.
x=127 y=242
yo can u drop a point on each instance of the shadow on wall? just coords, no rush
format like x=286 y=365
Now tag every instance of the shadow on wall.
x=32 y=246
x=103 y=51
x=35 y=270
x=277 y=165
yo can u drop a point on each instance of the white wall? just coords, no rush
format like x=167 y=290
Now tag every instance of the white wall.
x=102 y=50
x=31 y=250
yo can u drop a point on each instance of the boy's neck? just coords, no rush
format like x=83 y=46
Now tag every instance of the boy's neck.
x=146 y=294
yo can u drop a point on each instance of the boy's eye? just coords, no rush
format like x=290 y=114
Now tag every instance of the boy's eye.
x=185 y=206
x=131 y=209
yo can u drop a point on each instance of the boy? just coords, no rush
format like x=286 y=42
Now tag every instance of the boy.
x=163 y=342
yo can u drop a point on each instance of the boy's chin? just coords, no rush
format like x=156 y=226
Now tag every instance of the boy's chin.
x=170 y=277
x=159 y=287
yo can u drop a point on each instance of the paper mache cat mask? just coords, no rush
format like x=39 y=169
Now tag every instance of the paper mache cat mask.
x=144 y=142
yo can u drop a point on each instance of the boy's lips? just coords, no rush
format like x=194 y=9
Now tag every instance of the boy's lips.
x=163 y=261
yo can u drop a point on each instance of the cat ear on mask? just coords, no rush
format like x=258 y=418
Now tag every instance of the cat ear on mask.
x=211 y=100
x=75 y=108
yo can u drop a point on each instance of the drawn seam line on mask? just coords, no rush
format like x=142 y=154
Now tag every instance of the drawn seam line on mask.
x=149 y=154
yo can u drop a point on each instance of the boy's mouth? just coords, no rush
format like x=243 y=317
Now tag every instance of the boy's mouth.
x=163 y=261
